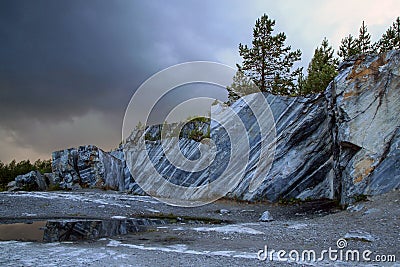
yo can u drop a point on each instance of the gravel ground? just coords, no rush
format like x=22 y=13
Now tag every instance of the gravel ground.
x=371 y=225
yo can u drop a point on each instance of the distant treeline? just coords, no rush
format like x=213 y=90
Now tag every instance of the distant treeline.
x=8 y=172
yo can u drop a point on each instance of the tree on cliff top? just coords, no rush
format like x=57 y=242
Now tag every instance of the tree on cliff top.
x=364 y=40
x=241 y=86
x=351 y=46
x=269 y=62
x=348 y=47
x=321 y=70
x=391 y=38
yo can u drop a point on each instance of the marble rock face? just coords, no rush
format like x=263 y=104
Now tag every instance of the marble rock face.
x=302 y=163
x=342 y=144
x=88 y=167
x=33 y=180
x=300 y=166
x=366 y=104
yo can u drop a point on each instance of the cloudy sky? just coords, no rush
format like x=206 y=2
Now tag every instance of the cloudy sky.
x=68 y=68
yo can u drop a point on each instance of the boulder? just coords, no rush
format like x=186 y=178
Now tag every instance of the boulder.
x=88 y=167
x=266 y=217
x=33 y=180
x=64 y=166
x=12 y=186
x=50 y=180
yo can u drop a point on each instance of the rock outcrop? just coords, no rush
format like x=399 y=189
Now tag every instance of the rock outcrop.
x=33 y=180
x=302 y=164
x=88 y=167
x=365 y=97
x=341 y=144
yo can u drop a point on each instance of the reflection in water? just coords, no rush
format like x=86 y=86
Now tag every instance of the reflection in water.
x=22 y=231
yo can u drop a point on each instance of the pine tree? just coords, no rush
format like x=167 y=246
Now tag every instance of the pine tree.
x=364 y=41
x=269 y=62
x=348 y=47
x=301 y=82
x=240 y=86
x=391 y=38
x=321 y=70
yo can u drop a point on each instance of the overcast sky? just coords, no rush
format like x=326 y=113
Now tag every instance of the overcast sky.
x=68 y=68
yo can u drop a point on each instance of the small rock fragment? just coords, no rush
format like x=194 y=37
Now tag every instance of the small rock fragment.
x=355 y=208
x=360 y=236
x=266 y=217
x=224 y=211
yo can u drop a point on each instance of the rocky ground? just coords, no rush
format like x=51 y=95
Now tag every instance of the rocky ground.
x=233 y=238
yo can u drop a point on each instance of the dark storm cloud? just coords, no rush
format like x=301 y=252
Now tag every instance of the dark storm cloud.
x=64 y=58
x=69 y=67
x=60 y=60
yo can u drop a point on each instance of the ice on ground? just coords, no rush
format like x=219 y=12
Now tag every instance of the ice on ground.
x=153 y=210
x=360 y=235
x=60 y=254
x=371 y=210
x=298 y=226
x=182 y=248
x=228 y=229
x=93 y=197
x=29 y=214
x=118 y=217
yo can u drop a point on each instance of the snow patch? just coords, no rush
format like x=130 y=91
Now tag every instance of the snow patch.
x=118 y=217
x=89 y=197
x=228 y=229
x=182 y=248
x=29 y=214
x=360 y=235
x=153 y=210
x=298 y=226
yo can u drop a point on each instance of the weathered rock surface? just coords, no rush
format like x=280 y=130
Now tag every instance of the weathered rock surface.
x=341 y=144
x=88 y=166
x=33 y=180
x=302 y=166
x=366 y=102
x=143 y=169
